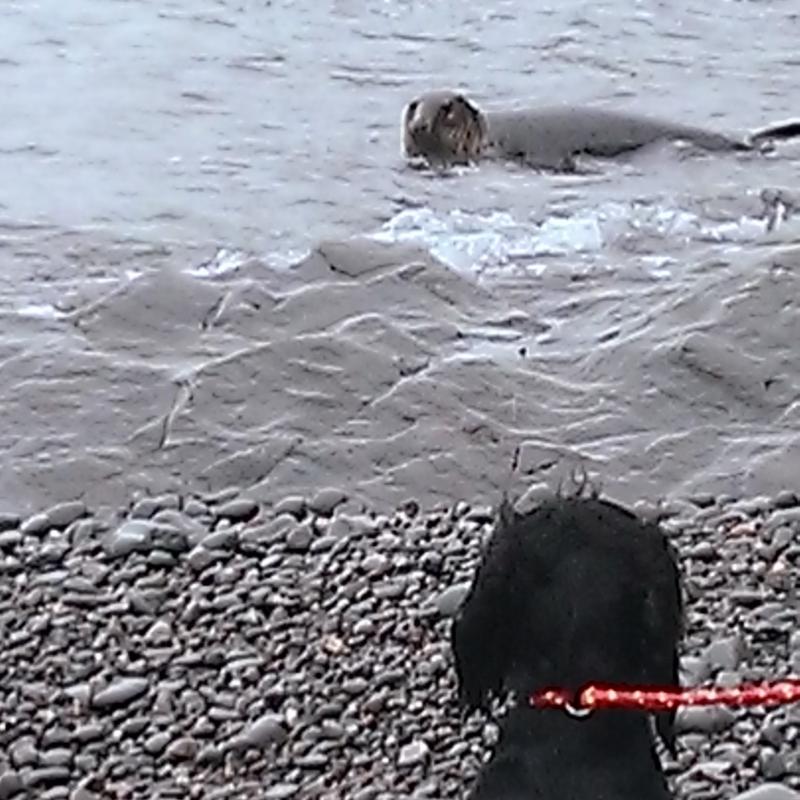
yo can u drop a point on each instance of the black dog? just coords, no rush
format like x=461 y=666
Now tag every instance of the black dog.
x=577 y=591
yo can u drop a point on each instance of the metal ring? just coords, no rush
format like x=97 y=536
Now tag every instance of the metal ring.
x=579 y=712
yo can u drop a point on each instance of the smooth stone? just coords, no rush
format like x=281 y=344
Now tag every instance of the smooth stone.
x=325 y=501
x=195 y=508
x=120 y=692
x=786 y=498
x=156 y=743
x=10 y=784
x=293 y=504
x=160 y=632
x=699 y=719
x=724 y=654
x=132 y=536
x=24 y=753
x=38 y=523
x=299 y=538
x=63 y=515
x=183 y=749
x=220 y=540
x=200 y=558
x=449 y=601
x=240 y=508
x=266 y=730
x=413 y=754
x=281 y=791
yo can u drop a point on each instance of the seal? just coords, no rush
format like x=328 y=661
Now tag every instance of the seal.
x=445 y=128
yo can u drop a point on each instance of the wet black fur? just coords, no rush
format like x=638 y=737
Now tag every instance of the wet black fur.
x=579 y=590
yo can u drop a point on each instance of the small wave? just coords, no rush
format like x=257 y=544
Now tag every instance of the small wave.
x=471 y=242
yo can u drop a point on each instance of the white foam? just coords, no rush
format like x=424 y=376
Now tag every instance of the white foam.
x=479 y=242
x=40 y=311
x=221 y=263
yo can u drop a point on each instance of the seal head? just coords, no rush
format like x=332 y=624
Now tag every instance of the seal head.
x=444 y=128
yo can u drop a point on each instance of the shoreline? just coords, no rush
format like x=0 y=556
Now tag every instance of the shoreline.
x=225 y=649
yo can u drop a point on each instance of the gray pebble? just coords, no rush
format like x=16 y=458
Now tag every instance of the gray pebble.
x=64 y=514
x=132 y=536
x=708 y=719
x=156 y=743
x=299 y=538
x=200 y=558
x=183 y=749
x=193 y=507
x=10 y=784
x=325 y=501
x=160 y=632
x=293 y=504
x=413 y=754
x=281 y=791
x=120 y=692
x=724 y=654
x=785 y=516
x=771 y=764
x=24 y=753
x=786 y=499
x=238 y=509
x=449 y=601
x=35 y=525
x=266 y=730
x=220 y=540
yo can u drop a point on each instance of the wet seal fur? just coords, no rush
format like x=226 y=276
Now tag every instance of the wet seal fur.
x=577 y=590
x=446 y=129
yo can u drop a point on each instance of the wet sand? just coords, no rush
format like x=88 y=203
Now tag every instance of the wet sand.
x=373 y=369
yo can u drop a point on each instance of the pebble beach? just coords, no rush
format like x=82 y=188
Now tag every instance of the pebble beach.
x=218 y=647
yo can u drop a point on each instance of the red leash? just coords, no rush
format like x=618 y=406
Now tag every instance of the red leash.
x=647 y=698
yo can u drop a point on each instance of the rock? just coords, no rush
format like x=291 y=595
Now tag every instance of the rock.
x=786 y=498
x=155 y=744
x=325 y=501
x=200 y=558
x=24 y=753
x=724 y=654
x=299 y=538
x=293 y=504
x=220 y=540
x=35 y=525
x=120 y=692
x=183 y=749
x=413 y=754
x=449 y=601
x=708 y=719
x=132 y=536
x=238 y=509
x=266 y=730
x=10 y=784
x=64 y=514
x=281 y=791
x=160 y=632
